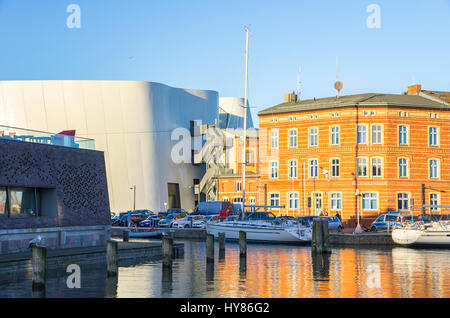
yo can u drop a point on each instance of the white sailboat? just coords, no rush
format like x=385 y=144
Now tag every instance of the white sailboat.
x=263 y=227
x=433 y=233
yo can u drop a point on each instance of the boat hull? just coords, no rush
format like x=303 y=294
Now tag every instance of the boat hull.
x=146 y=234
x=262 y=235
x=420 y=237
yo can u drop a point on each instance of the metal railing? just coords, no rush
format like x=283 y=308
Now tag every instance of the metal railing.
x=40 y=137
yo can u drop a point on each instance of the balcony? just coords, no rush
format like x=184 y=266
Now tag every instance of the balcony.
x=64 y=139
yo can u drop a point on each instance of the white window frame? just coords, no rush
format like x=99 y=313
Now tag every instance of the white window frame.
x=378 y=140
x=373 y=198
x=335 y=202
x=358 y=165
x=274 y=138
x=437 y=169
x=293 y=201
x=403 y=135
x=405 y=199
x=380 y=167
x=363 y=133
x=335 y=135
x=293 y=167
x=313 y=135
x=404 y=167
x=274 y=169
x=333 y=167
x=435 y=141
x=316 y=166
x=293 y=138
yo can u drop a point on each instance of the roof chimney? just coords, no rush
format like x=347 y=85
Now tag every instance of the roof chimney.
x=290 y=98
x=414 y=89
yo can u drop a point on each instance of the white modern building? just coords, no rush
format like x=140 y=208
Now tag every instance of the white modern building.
x=131 y=121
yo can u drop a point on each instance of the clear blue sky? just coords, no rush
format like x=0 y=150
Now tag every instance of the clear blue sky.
x=201 y=44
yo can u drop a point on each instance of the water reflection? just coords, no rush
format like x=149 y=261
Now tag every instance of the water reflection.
x=267 y=271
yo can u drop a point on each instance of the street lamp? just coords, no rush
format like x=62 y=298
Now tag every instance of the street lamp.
x=134 y=197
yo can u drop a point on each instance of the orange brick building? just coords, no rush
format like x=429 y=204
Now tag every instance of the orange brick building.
x=357 y=155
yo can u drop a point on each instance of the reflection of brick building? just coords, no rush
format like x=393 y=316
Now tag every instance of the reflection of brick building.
x=366 y=153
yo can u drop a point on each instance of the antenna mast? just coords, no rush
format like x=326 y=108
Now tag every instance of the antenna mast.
x=244 y=163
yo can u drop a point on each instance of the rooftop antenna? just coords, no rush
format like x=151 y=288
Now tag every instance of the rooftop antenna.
x=298 y=82
x=337 y=85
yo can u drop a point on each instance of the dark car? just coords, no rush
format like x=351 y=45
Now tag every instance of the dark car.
x=136 y=216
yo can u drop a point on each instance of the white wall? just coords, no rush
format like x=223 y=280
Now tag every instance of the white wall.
x=130 y=121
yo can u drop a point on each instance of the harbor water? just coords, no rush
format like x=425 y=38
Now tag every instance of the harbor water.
x=271 y=271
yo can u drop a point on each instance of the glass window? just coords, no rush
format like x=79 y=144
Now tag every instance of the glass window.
x=433 y=136
x=335 y=167
x=335 y=201
x=403 y=168
x=274 y=199
x=274 y=169
x=362 y=134
x=362 y=167
x=313 y=168
x=313 y=137
x=293 y=169
x=377 y=167
x=370 y=201
x=238 y=186
x=292 y=138
x=434 y=200
x=434 y=169
x=274 y=138
x=3 y=208
x=23 y=201
x=402 y=135
x=403 y=201
x=335 y=135
x=293 y=201
x=376 y=134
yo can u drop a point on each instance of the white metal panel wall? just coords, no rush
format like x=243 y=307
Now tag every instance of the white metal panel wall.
x=130 y=121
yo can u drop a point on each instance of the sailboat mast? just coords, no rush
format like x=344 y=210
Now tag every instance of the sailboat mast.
x=244 y=161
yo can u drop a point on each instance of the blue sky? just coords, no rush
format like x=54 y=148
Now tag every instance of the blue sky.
x=201 y=44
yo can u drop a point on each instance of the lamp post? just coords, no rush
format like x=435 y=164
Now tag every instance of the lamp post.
x=134 y=197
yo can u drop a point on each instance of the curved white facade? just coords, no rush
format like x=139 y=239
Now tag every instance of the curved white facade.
x=231 y=113
x=131 y=122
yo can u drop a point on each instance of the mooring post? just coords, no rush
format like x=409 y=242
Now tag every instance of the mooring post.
x=112 y=259
x=317 y=239
x=221 y=242
x=210 y=248
x=167 y=250
x=325 y=237
x=126 y=235
x=242 y=243
x=39 y=267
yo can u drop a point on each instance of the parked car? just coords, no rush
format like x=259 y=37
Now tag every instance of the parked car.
x=334 y=224
x=175 y=210
x=151 y=221
x=187 y=221
x=170 y=218
x=213 y=208
x=136 y=216
x=391 y=220
x=207 y=218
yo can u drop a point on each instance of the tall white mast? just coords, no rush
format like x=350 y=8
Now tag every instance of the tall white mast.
x=247 y=30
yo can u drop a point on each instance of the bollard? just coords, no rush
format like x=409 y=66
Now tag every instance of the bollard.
x=317 y=239
x=39 y=264
x=209 y=248
x=242 y=243
x=325 y=237
x=167 y=250
x=112 y=259
x=221 y=242
x=125 y=235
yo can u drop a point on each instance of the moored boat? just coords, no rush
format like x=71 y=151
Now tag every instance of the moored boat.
x=423 y=234
x=262 y=227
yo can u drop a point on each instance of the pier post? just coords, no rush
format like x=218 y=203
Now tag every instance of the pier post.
x=325 y=237
x=209 y=248
x=126 y=235
x=39 y=267
x=167 y=250
x=222 y=244
x=242 y=243
x=112 y=259
x=317 y=240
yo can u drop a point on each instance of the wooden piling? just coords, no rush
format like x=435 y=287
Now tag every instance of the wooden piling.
x=112 y=259
x=317 y=240
x=242 y=243
x=210 y=248
x=167 y=250
x=325 y=237
x=221 y=242
x=125 y=235
x=39 y=267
